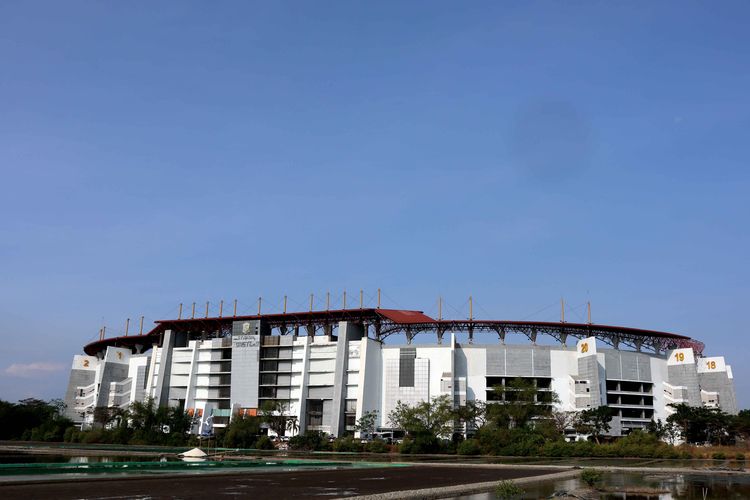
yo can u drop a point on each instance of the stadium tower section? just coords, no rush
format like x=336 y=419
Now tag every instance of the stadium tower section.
x=329 y=367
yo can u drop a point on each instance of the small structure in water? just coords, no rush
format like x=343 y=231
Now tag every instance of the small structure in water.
x=194 y=455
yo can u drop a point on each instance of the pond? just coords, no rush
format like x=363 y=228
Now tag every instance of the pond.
x=641 y=486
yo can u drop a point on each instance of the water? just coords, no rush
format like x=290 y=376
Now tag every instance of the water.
x=29 y=458
x=653 y=486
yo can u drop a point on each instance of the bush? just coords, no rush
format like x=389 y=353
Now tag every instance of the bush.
x=93 y=436
x=719 y=456
x=492 y=440
x=264 y=443
x=242 y=432
x=591 y=477
x=71 y=435
x=558 y=448
x=310 y=441
x=740 y=457
x=378 y=446
x=420 y=443
x=508 y=489
x=469 y=447
x=347 y=444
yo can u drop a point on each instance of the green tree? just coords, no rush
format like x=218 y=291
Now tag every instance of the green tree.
x=741 y=424
x=434 y=417
x=473 y=415
x=273 y=414
x=595 y=421
x=366 y=423
x=33 y=419
x=242 y=432
x=698 y=424
x=519 y=402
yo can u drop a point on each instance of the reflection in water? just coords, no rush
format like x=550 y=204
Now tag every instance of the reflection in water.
x=24 y=458
x=631 y=486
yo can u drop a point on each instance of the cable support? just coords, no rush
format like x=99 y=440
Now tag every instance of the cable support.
x=540 y=310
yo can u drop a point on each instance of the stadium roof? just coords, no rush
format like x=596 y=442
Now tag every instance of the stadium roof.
x=385 y=322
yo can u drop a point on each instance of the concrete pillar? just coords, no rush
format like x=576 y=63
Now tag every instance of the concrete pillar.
x=347 y=331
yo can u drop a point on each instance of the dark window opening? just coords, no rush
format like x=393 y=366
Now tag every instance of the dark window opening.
x=314 y=412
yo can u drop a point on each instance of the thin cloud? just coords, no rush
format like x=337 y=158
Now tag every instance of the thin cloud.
x=33 y=369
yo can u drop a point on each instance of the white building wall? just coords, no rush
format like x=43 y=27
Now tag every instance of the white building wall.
x=563 y=366
x=471 y=363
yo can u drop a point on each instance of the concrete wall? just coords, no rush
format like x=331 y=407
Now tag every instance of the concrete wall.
x=682 y=371
x=713 y=376
x=246 y=337
x=82 y=374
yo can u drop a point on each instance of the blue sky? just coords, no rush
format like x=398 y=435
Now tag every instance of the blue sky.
x=157 y=153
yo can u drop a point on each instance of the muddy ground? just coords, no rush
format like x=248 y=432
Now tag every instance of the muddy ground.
x=272 y=485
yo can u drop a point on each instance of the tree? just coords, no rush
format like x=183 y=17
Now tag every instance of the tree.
x=272 y=413
x=519 y=402
x=104 y=416
x=741 y=424
x=473 y=414
x=33 y=419
x=563 y=420
x=434 y=417
x=666 y=432
x=142 y=415
x=699 y=424
x=366 y=423
x=594 y=421
x=242 y=432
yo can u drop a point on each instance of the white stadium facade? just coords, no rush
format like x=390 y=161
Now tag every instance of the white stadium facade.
x=329 y=367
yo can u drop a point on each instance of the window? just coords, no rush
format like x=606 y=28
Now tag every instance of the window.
x=314 y=412
x=269 y=366
x=406 y=366
x=267 y=392
x=350 y=420
x=270 y=352
x=351 y=406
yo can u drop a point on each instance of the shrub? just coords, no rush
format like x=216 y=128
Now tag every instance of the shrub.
x=508 y=489
x=583 y=449
x=378 y=446
x=347 y=443
x=469 y=447
x=557 y=449
x=93 y=436
x=719 y=456
x=71 y=435
x=591 y=477
x=242 y=432
x=420 y=443
x=264 y=443
x=492 y=440
x=740 y=457
x=311 y=441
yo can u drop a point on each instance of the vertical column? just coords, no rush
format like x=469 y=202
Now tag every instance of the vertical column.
x=161 y=392
x=302 y=417
x=192 y=375
x=347 y=331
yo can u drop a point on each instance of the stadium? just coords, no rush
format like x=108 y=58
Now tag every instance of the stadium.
x=329 y=367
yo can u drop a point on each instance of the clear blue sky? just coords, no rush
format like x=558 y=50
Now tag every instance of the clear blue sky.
x=162 y=152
